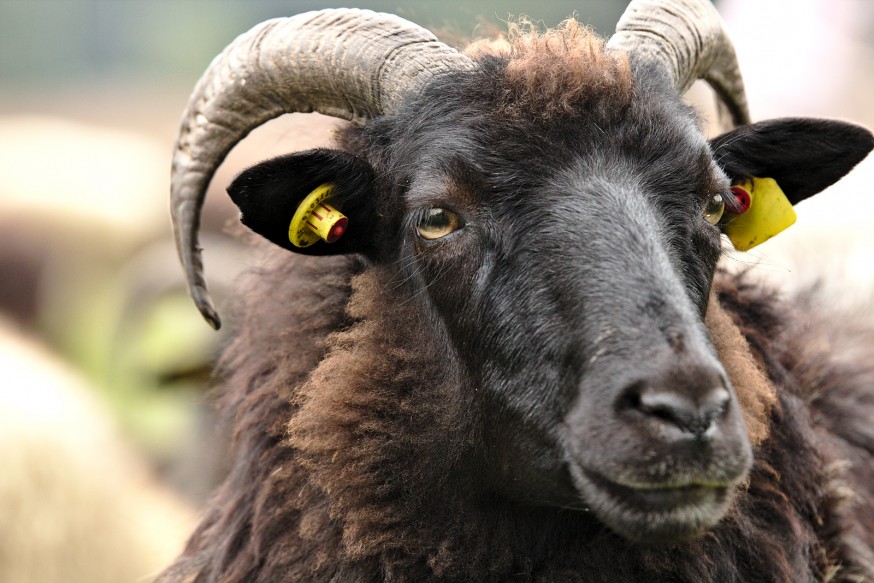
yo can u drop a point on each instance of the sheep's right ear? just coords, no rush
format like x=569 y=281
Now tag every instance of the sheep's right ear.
x=288 y=199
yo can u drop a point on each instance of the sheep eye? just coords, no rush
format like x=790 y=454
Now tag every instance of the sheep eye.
x=714 y=209
x=436 y=222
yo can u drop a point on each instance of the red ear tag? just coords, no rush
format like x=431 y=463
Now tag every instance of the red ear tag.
x=339 y=227
x=742 y=201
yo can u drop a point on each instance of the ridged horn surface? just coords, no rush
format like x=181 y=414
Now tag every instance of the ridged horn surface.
x=347 y=63
x=689 y=39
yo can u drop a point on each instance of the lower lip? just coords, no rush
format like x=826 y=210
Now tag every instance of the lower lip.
x=669 y=499
x=658 y=498
x=655 y=514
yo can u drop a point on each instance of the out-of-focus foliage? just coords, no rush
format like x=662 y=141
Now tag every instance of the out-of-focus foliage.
x=79 y=202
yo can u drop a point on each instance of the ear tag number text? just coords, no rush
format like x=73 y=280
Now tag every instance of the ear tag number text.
x=316 y=220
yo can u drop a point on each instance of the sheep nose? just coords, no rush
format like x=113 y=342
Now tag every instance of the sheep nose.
x=696 y=416
x=679 y=400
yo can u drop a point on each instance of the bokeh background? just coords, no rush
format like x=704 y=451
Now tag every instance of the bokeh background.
x=108 y=443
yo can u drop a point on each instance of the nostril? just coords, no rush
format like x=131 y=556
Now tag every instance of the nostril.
x=667 y=406
x=695 y=415
x=714 y=403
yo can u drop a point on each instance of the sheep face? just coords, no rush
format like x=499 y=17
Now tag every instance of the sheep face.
x=575 y=292
x=563 y=259
x=567 y=261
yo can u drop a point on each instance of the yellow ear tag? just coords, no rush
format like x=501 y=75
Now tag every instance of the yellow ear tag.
x=315 y=219
x=770 y=213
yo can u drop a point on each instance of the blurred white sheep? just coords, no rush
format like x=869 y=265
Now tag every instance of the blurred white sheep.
x=77 y=506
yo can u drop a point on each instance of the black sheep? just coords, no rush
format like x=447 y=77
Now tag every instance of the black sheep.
x=520 y=362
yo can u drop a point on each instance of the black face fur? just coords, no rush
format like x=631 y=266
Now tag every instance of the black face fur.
x=570 y=298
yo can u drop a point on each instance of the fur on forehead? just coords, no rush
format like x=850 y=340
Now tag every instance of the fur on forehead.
x=557 y=71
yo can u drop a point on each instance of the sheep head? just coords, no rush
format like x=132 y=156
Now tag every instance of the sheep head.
x=552 y=213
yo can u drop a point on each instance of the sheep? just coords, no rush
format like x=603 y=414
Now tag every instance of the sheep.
x=77 y=504
x=517 y=360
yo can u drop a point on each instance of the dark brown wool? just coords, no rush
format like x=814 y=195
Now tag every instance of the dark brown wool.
x=328 y=485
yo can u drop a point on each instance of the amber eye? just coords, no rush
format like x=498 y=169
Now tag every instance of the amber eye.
x=714 y=209
x=436 y=222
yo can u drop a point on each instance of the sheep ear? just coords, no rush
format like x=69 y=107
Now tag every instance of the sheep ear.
x=317 y=202
x=804 y=156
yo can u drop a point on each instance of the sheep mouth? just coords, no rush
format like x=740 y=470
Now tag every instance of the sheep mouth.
x=656 y=513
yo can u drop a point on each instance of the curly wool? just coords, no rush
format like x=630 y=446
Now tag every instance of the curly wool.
x=359 y=469
x=560 y=70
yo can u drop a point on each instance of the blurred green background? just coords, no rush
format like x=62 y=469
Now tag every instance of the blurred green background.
x=90 y=95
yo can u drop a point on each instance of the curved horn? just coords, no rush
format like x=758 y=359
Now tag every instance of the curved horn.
x=351 y=64
x=688 y=37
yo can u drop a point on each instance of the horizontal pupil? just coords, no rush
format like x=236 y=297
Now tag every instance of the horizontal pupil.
x=436 y=219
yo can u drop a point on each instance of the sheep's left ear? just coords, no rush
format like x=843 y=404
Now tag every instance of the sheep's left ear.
x=317 y=202
x=804 y=156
